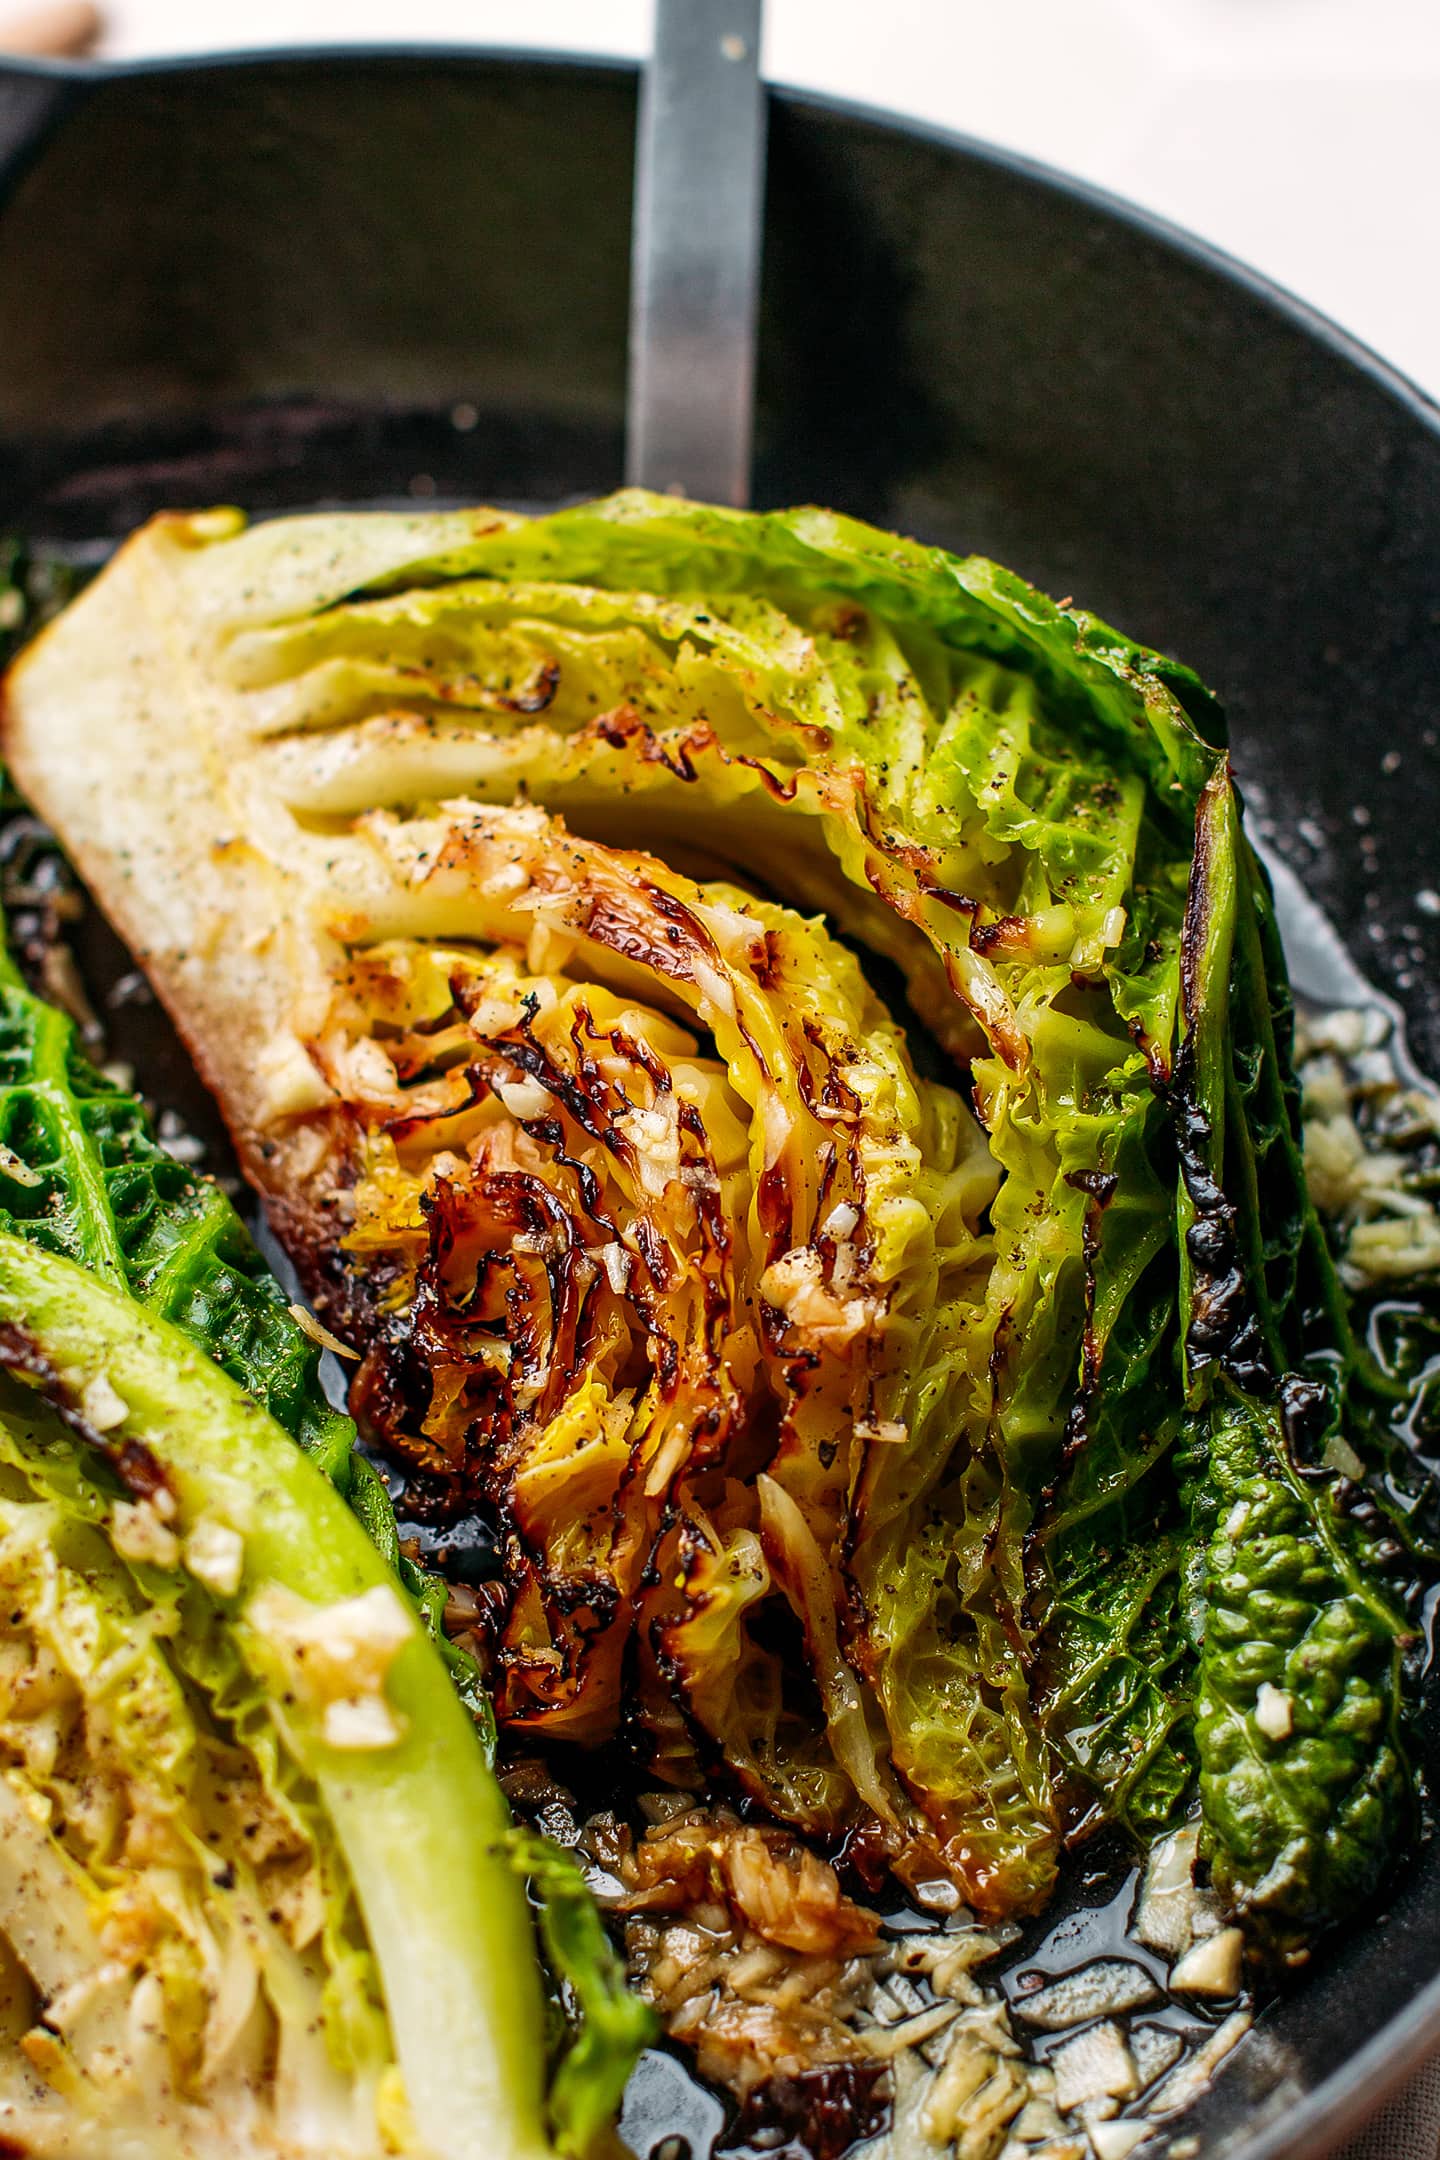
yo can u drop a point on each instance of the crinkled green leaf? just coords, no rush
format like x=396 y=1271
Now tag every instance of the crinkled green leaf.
x=605 y=2025
x=1304 y=1788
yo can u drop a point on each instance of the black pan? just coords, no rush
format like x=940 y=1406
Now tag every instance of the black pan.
x=369 y=277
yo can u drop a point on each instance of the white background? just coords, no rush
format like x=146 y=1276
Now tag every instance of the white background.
x=1302 y=135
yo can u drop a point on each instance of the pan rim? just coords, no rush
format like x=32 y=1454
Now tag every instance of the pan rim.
x=1351 y=2093
x=1208 y=255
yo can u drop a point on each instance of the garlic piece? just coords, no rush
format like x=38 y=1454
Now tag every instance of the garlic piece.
x=1165 y=1916
x=1117 y=2140
x=1193 y=2074
x=290 y=1083
x=307 y=1323
x=524 y=1098
x=100 y=1406
x=1095 y=2065
x=365 y=1722
x=1212 y=1967
x=842 y=1220
x=1105 y=1987
x=338 y=1657
x=1274 y=1712
x=138 y=1533
x=215 y=1555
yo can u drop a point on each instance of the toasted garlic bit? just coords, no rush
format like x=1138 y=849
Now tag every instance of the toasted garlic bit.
x=842 y=1221
x=307 y=1323
x=1095 y=2065
x=1106 y=1987
x=1193 y=2074
x=215 y=1555
x=1156 y=2049
x=1165 y=1917
x=1369 y=1182
x=366 y=1721
x=912 y=2032
x=1040 y=2123
x=1274 y=1712
x=1117 y=2140
x=289 y=1080
x=884 y=1432
x=338 y=1657
x=793 y=1284
x=138 y=1532
x=655 y=1137
x=100 y=1406
x=974 y=2085
x=1213 y=1967
x=524 y=1098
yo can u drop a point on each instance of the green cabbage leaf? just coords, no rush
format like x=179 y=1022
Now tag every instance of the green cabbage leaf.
x=1300 y=1703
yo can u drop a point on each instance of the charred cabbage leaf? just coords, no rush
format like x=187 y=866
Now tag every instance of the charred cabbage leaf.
x=506 y=876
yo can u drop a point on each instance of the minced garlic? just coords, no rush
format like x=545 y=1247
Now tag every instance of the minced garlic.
x=215 y=1555
x=338 y=1657
x=138 y=1532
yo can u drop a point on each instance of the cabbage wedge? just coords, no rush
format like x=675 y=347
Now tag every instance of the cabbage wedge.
x=851 y=1438
x=256 y=1895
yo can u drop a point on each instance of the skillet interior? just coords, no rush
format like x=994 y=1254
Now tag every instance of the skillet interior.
x=289 y=281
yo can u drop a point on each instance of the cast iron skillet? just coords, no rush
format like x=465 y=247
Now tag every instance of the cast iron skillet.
x=338 y=277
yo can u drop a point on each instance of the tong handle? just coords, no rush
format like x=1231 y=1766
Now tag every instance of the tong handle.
x=695 y=267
